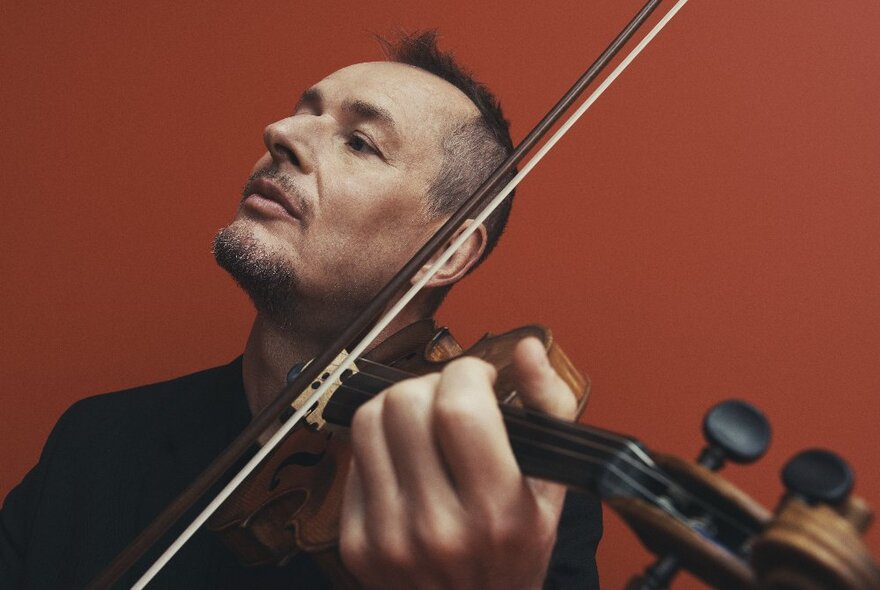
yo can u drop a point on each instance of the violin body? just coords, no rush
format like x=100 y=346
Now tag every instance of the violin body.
x=292 y=503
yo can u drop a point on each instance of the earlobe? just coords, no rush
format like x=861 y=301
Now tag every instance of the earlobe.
x=460 y=262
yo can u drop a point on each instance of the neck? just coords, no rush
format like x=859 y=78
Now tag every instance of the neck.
x=271 y=351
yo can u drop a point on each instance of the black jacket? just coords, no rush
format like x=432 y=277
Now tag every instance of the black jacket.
x=114 y=461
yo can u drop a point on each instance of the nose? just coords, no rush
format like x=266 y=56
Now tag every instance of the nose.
x=285 y=141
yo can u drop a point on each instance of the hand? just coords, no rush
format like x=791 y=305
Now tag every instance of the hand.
x=435 y=498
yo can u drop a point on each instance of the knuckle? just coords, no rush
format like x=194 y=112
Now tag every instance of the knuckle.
x=468 y=364
x=354 y=551
x=439 y=539
x=503 y=532
x=458 y=411
x=394 y=551
x=404 y=399
x=507 y=526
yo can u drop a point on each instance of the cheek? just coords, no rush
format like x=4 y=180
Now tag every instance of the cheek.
x=373 y=232
x=373 y=205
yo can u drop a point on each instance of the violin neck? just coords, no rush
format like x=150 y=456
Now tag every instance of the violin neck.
x=581 y=457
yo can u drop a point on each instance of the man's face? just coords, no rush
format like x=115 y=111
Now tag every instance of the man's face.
x=338 y=203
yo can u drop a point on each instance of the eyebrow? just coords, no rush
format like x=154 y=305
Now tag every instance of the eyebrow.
x=310 y=98
x=369 y=112
x=359 y=108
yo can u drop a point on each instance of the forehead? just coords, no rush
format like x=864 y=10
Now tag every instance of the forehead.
x=422 y=105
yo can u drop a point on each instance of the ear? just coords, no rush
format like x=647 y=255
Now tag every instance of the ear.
x=460 y=262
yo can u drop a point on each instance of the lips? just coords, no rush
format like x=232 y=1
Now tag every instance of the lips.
x=264 y=187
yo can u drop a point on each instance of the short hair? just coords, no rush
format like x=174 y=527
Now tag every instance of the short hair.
x=473 y=150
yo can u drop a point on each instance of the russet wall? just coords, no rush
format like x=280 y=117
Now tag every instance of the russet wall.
x=707 y=231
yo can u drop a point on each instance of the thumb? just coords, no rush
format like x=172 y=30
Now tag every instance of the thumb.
x=539 y=386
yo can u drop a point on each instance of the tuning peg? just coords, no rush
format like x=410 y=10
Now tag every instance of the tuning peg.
x=736 y=431
x=818 y=476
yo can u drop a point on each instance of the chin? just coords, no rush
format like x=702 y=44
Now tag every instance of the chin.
x=257 y=267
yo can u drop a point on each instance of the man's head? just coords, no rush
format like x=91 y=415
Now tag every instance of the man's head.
x=372 y=161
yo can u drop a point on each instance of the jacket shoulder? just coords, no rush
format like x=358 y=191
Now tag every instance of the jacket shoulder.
x=137 y=419
x=167 y=398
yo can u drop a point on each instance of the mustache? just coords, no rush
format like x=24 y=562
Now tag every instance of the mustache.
x=285 y=182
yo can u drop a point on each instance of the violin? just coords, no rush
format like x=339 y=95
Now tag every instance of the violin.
x=680 y=510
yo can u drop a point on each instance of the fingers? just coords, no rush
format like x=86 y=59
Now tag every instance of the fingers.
x=470 y=433
x=372 y=460
x=406 y=426
x=541 y=388
x=435 y=497
x=399 y=505
x=539 y=385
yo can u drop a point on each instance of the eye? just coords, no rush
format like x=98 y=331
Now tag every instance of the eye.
x=360 y=144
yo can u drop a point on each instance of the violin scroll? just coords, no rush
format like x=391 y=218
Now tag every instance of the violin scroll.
x=702 y=523
x=814 y=541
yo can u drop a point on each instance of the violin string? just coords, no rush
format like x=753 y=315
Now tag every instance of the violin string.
x=647 y=468
x=585 y=458
x=592 y=452
x=608 y=435
x=395 y=310
x=651 y=471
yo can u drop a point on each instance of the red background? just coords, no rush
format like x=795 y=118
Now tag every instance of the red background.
x=708 y=230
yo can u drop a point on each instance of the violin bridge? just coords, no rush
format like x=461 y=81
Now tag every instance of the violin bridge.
x=315 y=416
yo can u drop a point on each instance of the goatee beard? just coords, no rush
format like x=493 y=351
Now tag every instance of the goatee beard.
x=268 y=281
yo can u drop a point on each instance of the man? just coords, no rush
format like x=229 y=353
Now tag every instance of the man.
x=366 y=168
